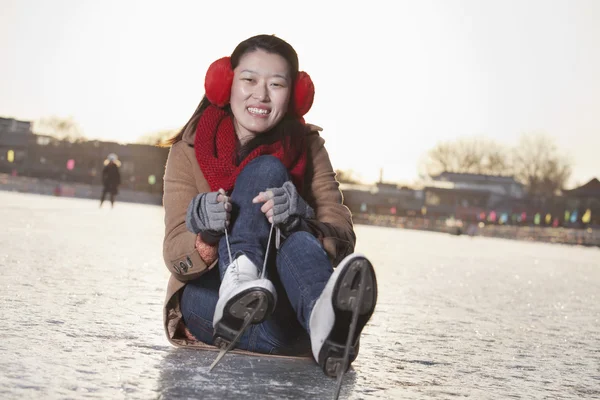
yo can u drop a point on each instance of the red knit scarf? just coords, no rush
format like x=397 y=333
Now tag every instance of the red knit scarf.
x=215 y=146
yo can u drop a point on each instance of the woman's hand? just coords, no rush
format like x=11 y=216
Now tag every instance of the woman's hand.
x=267 y=208
x=283 y=206
x=209 y=212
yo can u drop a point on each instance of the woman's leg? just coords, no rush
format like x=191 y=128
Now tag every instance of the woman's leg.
x=197 y=304
x=249 y=230
x=327 y=302
x=280 y=334
x=243 y=290
x=304 y=269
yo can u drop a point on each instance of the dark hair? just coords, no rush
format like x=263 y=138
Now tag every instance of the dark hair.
x=284 y=130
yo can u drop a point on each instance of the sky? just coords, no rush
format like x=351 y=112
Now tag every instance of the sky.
x=392 y=78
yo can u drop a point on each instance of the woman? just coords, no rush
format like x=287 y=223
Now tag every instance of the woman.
x=246 y=163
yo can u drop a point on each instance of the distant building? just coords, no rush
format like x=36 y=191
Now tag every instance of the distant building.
x=504 y=186
x=583 y=199
x=383 y=199
x=41 y=156
x=14 y=136
x=464 y=204
x=590 y=191
x=473 y=198
x=463 y=196
x=470 y=196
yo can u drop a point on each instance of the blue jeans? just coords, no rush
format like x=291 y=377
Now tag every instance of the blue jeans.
x=299 y=270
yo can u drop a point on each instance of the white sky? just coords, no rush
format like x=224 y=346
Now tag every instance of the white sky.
x=392 y=77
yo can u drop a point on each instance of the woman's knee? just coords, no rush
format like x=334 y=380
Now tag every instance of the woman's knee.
x=287 y=338
x=197 y=314
x=186 y=301
x=301 y=243
x=268 y=168
x=301 y=238
x=200 y=297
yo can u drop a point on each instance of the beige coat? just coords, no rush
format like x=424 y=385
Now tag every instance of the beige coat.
x=183 y=180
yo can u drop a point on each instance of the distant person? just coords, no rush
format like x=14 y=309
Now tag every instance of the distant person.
x=111 y=178
x=246 y=172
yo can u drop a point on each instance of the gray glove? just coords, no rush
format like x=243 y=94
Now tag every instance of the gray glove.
x=206 y=213
x=288 y=206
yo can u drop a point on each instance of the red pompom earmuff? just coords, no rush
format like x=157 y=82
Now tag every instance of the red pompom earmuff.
x=219 y=78
x=304 y=94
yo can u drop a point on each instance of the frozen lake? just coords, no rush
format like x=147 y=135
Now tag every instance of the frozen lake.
x=81 y=293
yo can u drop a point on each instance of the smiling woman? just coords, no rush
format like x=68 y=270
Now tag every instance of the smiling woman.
x=244 y=166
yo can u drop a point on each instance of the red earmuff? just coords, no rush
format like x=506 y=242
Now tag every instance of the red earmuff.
x=219 y=78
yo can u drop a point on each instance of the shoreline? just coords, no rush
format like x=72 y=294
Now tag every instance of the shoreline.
x=581 y=237
x=50 y=187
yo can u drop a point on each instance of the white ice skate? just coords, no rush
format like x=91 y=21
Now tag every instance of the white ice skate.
x=244 y=298
x=341 y=313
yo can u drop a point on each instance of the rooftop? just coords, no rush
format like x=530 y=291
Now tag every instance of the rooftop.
x=590 y=189
x=479 y=178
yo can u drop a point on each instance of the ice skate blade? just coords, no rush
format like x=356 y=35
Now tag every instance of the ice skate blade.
x=333 y=356
x=359 y=273
x=352 y=312
x=257 y=303
x=354 y=299
x=226 y=345
x=332 y=366
x=247 y=303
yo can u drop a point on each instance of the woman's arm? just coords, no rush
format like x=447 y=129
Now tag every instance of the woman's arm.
x=181 y=248
x=333 y=223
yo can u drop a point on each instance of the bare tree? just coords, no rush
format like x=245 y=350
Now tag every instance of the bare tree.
x=468 y=155
x=537 y=164
x=60 y=128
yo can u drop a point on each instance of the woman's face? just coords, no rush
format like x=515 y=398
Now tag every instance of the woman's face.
x=260 y=93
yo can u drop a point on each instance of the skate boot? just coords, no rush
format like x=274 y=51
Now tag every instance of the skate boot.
x=244 y=299
x=341 y=313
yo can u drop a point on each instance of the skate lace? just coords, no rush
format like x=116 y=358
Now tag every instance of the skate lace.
x=263 y=273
